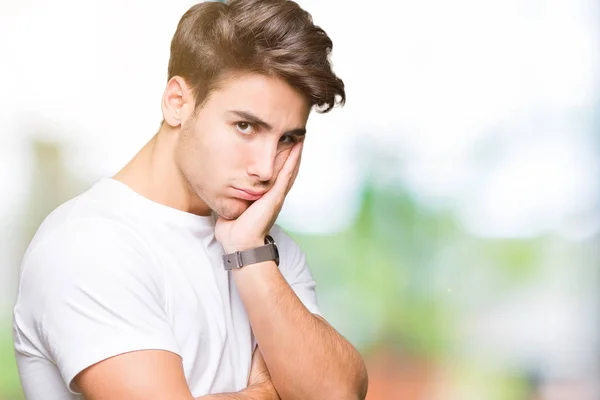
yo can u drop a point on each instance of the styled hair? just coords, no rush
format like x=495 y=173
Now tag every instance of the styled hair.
x=270 y=37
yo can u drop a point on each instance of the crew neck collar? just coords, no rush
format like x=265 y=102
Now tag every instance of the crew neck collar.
x=122 y=196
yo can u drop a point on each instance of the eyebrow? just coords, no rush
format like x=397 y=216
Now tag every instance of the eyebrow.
x=253 y=119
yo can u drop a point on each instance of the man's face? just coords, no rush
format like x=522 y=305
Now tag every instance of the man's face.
x=239 y=140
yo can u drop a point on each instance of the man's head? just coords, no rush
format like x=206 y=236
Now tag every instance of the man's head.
x=243 y=78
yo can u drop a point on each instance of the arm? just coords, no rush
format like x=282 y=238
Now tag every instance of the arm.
x=92 y=293
x=259 y=387
x=155 y=374
x=307 y=358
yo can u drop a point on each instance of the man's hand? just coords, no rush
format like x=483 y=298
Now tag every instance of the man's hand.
x=250 y=228
x=260 y=379
x=258 y=370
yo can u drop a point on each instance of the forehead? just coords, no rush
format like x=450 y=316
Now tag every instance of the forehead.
x=269 y=98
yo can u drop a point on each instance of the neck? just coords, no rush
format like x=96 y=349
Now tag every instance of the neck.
x=154 y=174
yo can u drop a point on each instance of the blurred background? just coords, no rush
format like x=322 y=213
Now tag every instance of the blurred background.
x=450 y=212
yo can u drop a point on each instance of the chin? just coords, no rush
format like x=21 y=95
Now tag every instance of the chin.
x=231 y=209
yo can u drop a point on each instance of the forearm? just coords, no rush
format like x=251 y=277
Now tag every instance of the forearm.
x=306 y=357
x=228 y=396
x=263 y=391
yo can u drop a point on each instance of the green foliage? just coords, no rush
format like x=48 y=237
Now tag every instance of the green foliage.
x=385 y=278
x=10 y=387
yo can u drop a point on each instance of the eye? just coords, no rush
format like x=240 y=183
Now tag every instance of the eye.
x=245 y=128
x=288 y=139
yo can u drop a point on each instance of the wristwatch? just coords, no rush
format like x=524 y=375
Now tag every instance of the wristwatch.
x=260 y=254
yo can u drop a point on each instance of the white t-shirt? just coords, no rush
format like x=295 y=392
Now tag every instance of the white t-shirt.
x=110 y=271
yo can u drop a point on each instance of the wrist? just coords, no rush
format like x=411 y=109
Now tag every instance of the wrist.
x=250 y=253
x=241 y=246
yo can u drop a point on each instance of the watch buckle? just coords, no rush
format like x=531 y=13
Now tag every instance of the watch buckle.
x=238 y=258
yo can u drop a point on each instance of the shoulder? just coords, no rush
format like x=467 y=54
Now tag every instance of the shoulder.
x=285 y=243
x=292 y=258
x=295 y=269
x=82 y=216
x=83 y=255
x=91 y=239
x=281 y=236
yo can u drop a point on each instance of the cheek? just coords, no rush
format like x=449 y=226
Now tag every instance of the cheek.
x=225 y=159
x=235 y=155
x=217 y=150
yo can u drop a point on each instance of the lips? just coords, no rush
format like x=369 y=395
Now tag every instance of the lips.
x=248 y=194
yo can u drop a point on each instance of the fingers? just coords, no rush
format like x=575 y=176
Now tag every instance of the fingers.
x=296 y=169
x=258 y=360
x=254 y=367
x=289 y=171
x=258 y=370
x=269 y=205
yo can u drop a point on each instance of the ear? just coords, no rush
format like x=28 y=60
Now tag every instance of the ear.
x=177 y=102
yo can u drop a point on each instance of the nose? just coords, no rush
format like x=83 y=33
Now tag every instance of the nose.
x=262 y=161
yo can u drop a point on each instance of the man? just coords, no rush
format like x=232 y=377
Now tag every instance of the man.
x=164 y=281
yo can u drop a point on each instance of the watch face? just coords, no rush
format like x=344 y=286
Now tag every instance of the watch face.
x=276 y=250
x=269 y=240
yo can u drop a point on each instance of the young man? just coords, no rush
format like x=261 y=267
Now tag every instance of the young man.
x=164 y=281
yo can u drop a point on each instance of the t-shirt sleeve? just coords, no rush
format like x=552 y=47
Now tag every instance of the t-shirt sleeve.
x=90 y=291
x=295 y=270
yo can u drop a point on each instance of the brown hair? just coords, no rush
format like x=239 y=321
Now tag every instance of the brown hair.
x=269 y=37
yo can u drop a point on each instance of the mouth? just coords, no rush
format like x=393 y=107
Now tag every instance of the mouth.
x=248 y=194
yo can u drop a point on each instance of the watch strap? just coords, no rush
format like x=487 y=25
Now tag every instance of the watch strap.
x=256 y=255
